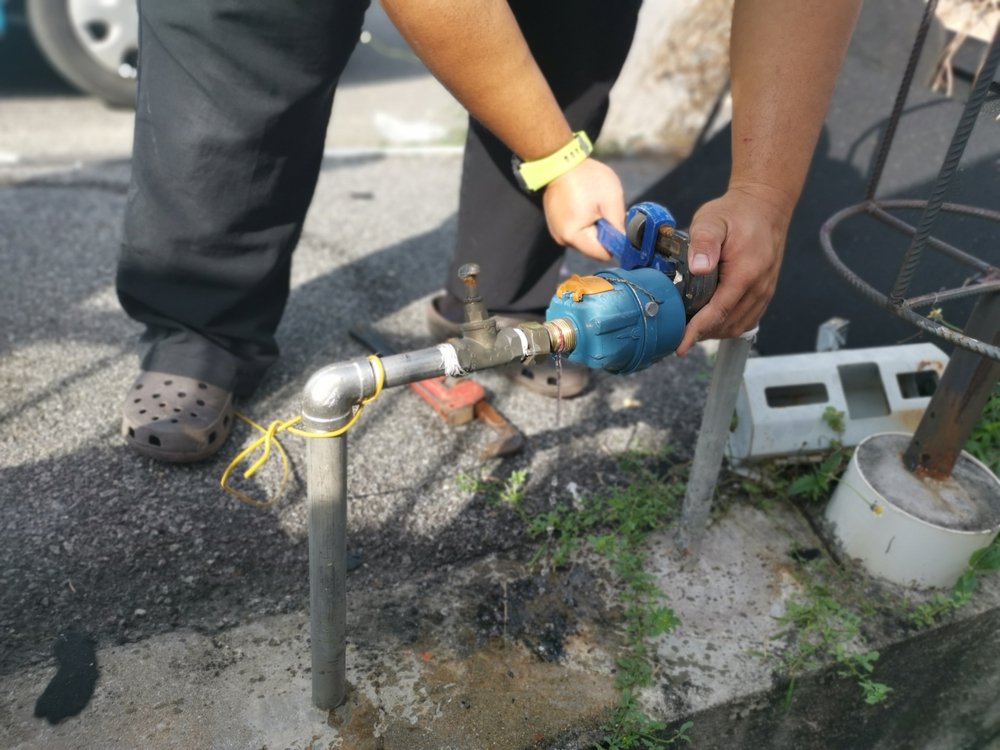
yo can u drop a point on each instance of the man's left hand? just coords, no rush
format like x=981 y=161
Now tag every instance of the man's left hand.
x=743 y=232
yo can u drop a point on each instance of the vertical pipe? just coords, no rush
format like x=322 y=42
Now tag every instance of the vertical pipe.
x=727 y=376
x=327 y=501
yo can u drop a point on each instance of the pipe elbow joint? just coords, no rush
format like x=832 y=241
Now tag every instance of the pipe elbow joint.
x=332 y=393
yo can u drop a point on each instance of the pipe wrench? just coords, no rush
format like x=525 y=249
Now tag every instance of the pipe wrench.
x=652 y=240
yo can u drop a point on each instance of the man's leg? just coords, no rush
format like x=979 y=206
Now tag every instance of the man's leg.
x=233 y=104
x=580 y=46
x=234 y=100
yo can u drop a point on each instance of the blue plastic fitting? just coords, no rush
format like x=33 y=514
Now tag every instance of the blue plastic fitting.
x=639 y=322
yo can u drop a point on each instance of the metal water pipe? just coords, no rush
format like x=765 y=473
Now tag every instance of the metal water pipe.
x=621 y=320
x=331 y=397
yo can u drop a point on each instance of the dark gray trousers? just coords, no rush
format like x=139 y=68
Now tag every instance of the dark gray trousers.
x=233 y=104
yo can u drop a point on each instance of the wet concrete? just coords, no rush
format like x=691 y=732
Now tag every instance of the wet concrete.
x=968 y=500
x=449 y=683
x=487 y=654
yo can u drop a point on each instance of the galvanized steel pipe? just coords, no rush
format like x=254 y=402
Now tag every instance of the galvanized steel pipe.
x=329 y=400
x=327 y=503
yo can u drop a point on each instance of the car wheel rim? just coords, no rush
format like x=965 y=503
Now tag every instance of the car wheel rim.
x=108 y=30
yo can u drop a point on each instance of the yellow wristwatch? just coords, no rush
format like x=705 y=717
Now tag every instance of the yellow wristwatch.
x=534 y=175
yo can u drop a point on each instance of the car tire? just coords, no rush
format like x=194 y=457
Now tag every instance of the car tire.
x=52 y=28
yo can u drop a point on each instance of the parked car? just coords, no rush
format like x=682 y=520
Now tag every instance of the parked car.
x=93 y=44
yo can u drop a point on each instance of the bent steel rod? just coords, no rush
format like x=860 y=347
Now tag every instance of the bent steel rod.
x=953 y=157
x=959 y=399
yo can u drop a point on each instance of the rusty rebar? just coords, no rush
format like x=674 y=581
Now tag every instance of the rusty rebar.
x=885 y=142
x=970 y=113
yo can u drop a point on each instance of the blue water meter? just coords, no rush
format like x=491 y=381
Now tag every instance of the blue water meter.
x=624 y=320
x=635 y=321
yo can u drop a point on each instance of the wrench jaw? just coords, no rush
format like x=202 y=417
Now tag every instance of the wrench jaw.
x=696 y=291
x=673 y=245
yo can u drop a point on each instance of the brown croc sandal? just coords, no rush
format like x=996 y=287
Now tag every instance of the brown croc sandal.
x=443 y=326
x=542 y=377
x=175 y=418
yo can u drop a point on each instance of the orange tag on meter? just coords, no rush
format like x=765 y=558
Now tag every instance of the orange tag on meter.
x=578 y=286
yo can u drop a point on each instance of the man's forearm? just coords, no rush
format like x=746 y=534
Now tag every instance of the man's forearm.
x=785 y=55
x=476 y=49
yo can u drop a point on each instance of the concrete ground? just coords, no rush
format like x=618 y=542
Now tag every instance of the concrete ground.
x=196 y=605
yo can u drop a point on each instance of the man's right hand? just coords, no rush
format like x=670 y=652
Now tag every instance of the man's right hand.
x=743 y=233
x=575 y=201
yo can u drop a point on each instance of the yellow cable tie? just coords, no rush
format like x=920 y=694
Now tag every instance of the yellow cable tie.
x=269 y=436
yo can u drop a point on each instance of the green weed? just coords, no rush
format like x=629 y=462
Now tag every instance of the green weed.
x=820 y=630
x=982 y=561
x=813 y=479
x=508 y=492
x=616 y=525
x=817 y=481
x=633 y=729
x=984 y=442
x=834 y=419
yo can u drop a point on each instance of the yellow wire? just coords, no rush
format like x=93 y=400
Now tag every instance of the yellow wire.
x=269 y=436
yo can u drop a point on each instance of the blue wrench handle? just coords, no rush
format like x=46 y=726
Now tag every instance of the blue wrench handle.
x=614 y=242
x=629 y=257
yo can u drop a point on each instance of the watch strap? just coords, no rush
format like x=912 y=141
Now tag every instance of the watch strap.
x=534 y=175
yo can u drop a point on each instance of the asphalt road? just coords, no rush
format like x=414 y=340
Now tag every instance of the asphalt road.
x=96 y=540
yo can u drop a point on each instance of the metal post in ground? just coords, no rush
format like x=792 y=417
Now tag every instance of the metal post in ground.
x=960 y=397
x=720 y=403
x=327 y=503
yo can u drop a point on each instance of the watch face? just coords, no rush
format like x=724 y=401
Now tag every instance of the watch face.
x=515 y=166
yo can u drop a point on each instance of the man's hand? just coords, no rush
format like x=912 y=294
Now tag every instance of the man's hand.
x=744 y=233
x=576 y=200
x=784 y=62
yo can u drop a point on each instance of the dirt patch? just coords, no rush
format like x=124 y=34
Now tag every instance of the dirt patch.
x=354 y=720
x=501 y=697
x=542 y=611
